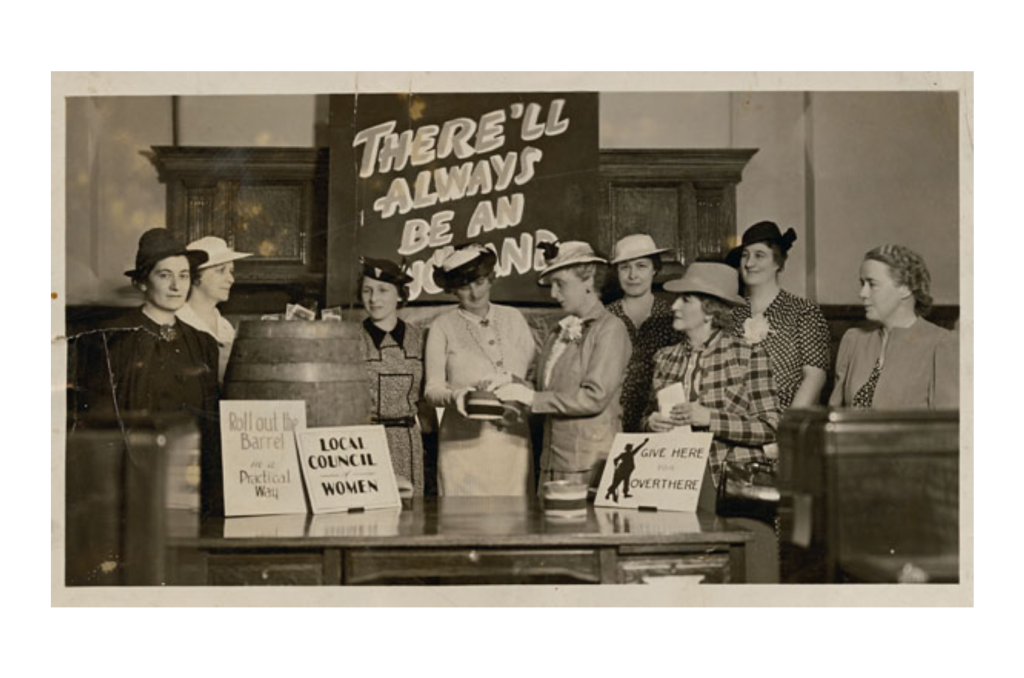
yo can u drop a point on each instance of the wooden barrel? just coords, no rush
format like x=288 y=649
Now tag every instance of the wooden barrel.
x=319 y=362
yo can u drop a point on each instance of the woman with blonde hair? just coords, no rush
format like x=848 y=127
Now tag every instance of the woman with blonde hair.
x=212 y=286
x=900 y=360
x=727 y=389
x=580 y=370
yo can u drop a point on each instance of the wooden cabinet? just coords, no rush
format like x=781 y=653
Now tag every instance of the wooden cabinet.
x=461 y=540
x=684 y=199
x=268 y=569
x=715 y=563
x=870 y=495
x=268 y=201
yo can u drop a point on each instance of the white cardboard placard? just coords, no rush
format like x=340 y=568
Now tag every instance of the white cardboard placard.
x=347 y=468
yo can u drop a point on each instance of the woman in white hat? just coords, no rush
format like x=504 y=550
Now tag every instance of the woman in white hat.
x=579 y=372
x=212 y=286
x=470 y=347
x=727 y=389
x=647 y=316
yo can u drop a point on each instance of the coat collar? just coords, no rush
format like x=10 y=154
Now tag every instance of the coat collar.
x=377 y=334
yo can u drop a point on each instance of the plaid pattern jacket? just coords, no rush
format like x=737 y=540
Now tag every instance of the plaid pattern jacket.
x=736 y=385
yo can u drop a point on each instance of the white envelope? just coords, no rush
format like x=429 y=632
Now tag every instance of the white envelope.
x=669 y=397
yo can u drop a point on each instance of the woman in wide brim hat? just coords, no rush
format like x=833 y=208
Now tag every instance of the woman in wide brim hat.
x=474 y=346
x=147 y=359
x=212 y=286
x=727 y=388
x=647 y=316
x=393 y=351
x=580 y=369
x=790 y=328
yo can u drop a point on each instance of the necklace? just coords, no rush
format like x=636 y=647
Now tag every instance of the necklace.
x=498 y=365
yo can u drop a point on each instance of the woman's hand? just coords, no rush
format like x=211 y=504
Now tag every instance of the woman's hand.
x=460 y=401
x=516 y=393
x=659 y=423
x=693 y=414
x=495 y=381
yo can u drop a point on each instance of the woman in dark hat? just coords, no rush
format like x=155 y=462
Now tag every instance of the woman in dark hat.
x=393 y=351
x=148 y=360
x=791 y=329
x=727 y=389
x=478 y=345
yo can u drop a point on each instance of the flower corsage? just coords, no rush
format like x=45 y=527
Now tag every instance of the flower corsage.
x=572 y=329
x=756 y=330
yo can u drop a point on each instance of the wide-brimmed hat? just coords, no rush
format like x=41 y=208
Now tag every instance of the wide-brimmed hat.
x=635 y=246
x=711 y=278
x=762 y=231
x=385 y=271
x=157 y=244
x=464 y=265
x=217 y=250
x=571 y=253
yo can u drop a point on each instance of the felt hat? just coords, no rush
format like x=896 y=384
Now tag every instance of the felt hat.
x=762 y=231
x=385 y=271
x=463 y=265
x=157 y=244
x=635 y=246
x=710 y=278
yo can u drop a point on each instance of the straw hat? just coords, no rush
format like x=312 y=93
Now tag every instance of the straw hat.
x=714 y=279
x=217 y=250
x=635 y=246
x=571 y=253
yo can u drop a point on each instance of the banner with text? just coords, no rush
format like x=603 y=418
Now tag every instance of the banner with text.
x=434 y=171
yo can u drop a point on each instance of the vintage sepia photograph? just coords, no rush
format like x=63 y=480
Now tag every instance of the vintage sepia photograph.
x=663 y=340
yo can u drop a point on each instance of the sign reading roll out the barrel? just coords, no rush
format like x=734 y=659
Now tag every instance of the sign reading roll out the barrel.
x=347 y=468
x=261 y=473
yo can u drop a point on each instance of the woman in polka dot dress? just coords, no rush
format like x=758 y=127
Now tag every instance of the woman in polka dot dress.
x=791 y=329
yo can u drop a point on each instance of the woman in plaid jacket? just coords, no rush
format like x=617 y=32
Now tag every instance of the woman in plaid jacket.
x=728 y=390
x=727 y=383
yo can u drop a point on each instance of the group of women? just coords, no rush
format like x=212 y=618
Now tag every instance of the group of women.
x=743 y=355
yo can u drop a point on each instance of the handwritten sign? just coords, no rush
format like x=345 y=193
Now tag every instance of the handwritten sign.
x=261 y=469
x=434 y=171
x=655 y=470
x=347 y=468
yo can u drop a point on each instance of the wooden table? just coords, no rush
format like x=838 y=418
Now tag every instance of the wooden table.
x=458 y=540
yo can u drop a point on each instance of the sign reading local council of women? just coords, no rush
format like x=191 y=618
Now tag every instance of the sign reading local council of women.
x=662 y=471
x=415 y=175
x=347 y=468
x=261 y=469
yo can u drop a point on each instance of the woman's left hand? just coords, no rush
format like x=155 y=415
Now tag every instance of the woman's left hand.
x=517 y=393
x=495 y=381
x=693 y=414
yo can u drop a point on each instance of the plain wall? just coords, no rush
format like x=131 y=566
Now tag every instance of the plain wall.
x=247 y=120
x=113 y=194
x=848 y=171
x=885 y=167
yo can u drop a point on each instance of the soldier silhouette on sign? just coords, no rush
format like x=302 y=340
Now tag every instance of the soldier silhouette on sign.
x=624 y=466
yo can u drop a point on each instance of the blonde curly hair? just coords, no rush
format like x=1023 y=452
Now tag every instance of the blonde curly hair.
x=907 y=268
